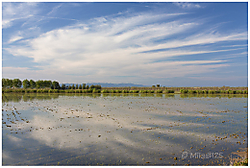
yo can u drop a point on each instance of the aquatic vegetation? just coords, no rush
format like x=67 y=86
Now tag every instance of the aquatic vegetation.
x=125 y=91
x=143 y=91
x=53 y=91
x=183 y=91
x=168 y=91
x=105 y=91
x=158 y=91
x=241 y=163
x=96 y=90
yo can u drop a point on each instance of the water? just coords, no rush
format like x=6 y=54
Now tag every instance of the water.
x=122 y=129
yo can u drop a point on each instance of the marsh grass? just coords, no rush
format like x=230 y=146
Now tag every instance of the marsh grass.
x=175 y=90
x=158 y=91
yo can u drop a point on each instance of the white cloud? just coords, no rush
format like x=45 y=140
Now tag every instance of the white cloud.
x=17 y=11
x=54 y=9
x=220 y=78
x=15 y=38
x=117 y=46
x=187 y=5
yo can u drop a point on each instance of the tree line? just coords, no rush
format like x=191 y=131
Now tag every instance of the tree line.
x=48 y=86
x=43 y=84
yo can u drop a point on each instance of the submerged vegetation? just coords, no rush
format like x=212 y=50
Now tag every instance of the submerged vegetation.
x=47 y=86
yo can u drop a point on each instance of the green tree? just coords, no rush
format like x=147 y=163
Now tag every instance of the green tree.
x=98 y=87
x=32 y=84
x=153 y=86
x=47 y=84
x=39 y=84
x=73 y=86
x=17 y=83
x=63 y=86
x=87 y=87
x=7 y=83
x=158 y=85
x=4 y=82
x=83 y=86
x=76 y=86
x=26 y=84
x=55 y=85
x=80 y=86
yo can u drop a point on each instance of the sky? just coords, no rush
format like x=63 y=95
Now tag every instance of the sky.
x=173 y=44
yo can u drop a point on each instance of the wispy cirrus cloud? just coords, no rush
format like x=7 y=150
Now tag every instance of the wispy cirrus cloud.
x=54 y=9
x=187 y=5
x=17 y=11
x=15 y=38
x=110 y=46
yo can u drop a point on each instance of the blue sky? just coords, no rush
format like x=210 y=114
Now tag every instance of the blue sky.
x=174 y=44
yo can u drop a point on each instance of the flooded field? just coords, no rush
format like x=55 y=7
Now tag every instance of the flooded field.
x=129 y=129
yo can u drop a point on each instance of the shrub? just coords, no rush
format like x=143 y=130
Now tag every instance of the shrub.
x=192 y=91
x=125 y=91
x=33 y=90
x=169 y=91
x=62 y=91
x=158 y=91
x=223 y=91
x=96 y=90
x=6 y=90
x=56 y=91
x=211 y=92
x=219 y=91
x=105 y=91
x=45 y=90
x=39 y=91
x=143 y=91
x=118 y=91
x=134 y=91
x=231 y=91
x=205 y=91
x=89 y=90
x=20 y=90
x=183 y=91
x=199 y=91
x=71 y=91
x=239 y=92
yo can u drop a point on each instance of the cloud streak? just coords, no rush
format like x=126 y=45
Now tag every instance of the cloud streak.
x=186 y=5
x=109 y=46
x=17 y=11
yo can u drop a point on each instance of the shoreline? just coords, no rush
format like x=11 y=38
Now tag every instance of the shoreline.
x=130 y=90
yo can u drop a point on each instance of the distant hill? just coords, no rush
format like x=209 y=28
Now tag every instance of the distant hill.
x=110 y=84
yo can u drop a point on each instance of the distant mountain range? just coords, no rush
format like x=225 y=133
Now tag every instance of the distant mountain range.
x=110 y=84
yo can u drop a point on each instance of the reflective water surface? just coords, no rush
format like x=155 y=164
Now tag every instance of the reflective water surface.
x=122 y=129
